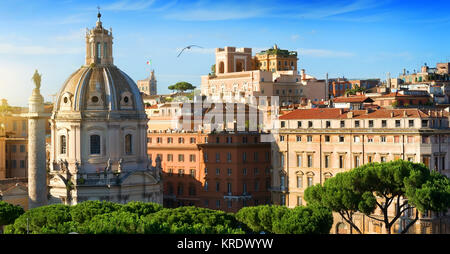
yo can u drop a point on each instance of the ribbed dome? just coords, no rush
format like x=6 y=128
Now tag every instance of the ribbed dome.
x=97 y=88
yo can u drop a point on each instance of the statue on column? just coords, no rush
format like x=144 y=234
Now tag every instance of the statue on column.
x=37 y=79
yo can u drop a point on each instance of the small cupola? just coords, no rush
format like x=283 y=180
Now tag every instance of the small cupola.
x=99 y=44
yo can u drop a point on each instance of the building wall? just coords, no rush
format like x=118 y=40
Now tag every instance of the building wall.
x=308 y=155
x=180 y=177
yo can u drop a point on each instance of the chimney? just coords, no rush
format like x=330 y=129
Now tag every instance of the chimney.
x=392 y=113
x=405 y=114
x=341 y=111
x=350 y=114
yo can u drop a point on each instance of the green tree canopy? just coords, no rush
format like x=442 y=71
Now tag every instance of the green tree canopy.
x=9 y=213
x=380 y=185
x=282 y=220
x=182 y=86
x=85 y=211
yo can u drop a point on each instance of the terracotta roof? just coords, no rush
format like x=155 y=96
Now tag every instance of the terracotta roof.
x=396 y=94
x=352 y=99
x=337 y=113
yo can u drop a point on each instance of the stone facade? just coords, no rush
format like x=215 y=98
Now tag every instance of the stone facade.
x=98 y=134
x=313 y=145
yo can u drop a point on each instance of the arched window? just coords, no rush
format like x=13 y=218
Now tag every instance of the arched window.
x=128 y=144
x=95 y=144
x=63 y=144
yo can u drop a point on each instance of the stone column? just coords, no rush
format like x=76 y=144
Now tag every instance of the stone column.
x=37 y=172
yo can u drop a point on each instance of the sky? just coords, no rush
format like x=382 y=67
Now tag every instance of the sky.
x=350 y=38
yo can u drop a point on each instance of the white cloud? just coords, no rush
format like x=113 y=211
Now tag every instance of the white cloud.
x=215 y=14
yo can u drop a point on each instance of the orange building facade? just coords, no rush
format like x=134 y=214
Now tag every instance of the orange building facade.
x=224 y=171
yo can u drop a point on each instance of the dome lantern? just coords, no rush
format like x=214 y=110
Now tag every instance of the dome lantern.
x=99 y=45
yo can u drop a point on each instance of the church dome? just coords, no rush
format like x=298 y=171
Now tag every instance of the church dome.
x=99 y=86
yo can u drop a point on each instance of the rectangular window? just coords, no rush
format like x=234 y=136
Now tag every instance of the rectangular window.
x=397 y=123
x=356 y=161
x=217 y=171
x=192 y=140
x=424 y=123
x=217 y=186
x=169 y=157
x=327 y=161
x=383 y=123
x=341 y=161
x=327 y=138
x=383 y=139
x=310 y=124
x=369 y=158
x=299 y=160
x=310 y=181
x=341 y=139
x=282 y=160
x=299 y=124
x=369 y=139
x=327 y=124
x=13 y=164
x=396 y=139
x=181 y=157
x=22 y=148
x=357 y=123
x=370 y=123
x=299 y=138
x=217 y=157
x=281 y=138
x=356 y=139
x=383 y=158
x=255 y=171
x=411 y=123
x=283 y=124
x=310 y=161
x=192 y=157
x=299 y=181
x=309 y=138
x=256 y=185
x=192 y=173
x=342 y=124
x=255 y=155
x=299 y=201
x=244 y=156
x=228 y=157
x=22 y=164
x=244 y=171
x=229 y=171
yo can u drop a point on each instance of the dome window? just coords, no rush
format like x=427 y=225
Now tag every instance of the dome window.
x=125 y=99
x=66 y=100
x=94 y=99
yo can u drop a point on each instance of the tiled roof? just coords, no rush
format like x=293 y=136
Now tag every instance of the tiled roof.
x=337 y=113
x=352 y=99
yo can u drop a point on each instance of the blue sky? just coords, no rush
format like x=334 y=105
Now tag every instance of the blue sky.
x=351 y=38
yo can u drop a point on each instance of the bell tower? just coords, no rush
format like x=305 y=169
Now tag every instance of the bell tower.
x=99 y=44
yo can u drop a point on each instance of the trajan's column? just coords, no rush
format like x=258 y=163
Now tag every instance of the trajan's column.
x=37 y=172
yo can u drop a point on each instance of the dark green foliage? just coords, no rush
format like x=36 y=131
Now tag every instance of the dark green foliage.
x=117 y=222
x=193 y=220
x=141 y=208
x=44 y=219
x=9 y=213
x=282 y=220
x=85 y=211
x=305 y=220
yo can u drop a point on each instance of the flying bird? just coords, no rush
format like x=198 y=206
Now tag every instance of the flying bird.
x=188 y=47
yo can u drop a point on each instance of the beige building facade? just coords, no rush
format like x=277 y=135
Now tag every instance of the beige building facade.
x=313 y=145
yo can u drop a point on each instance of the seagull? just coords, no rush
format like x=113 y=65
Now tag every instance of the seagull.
x=188 y=47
